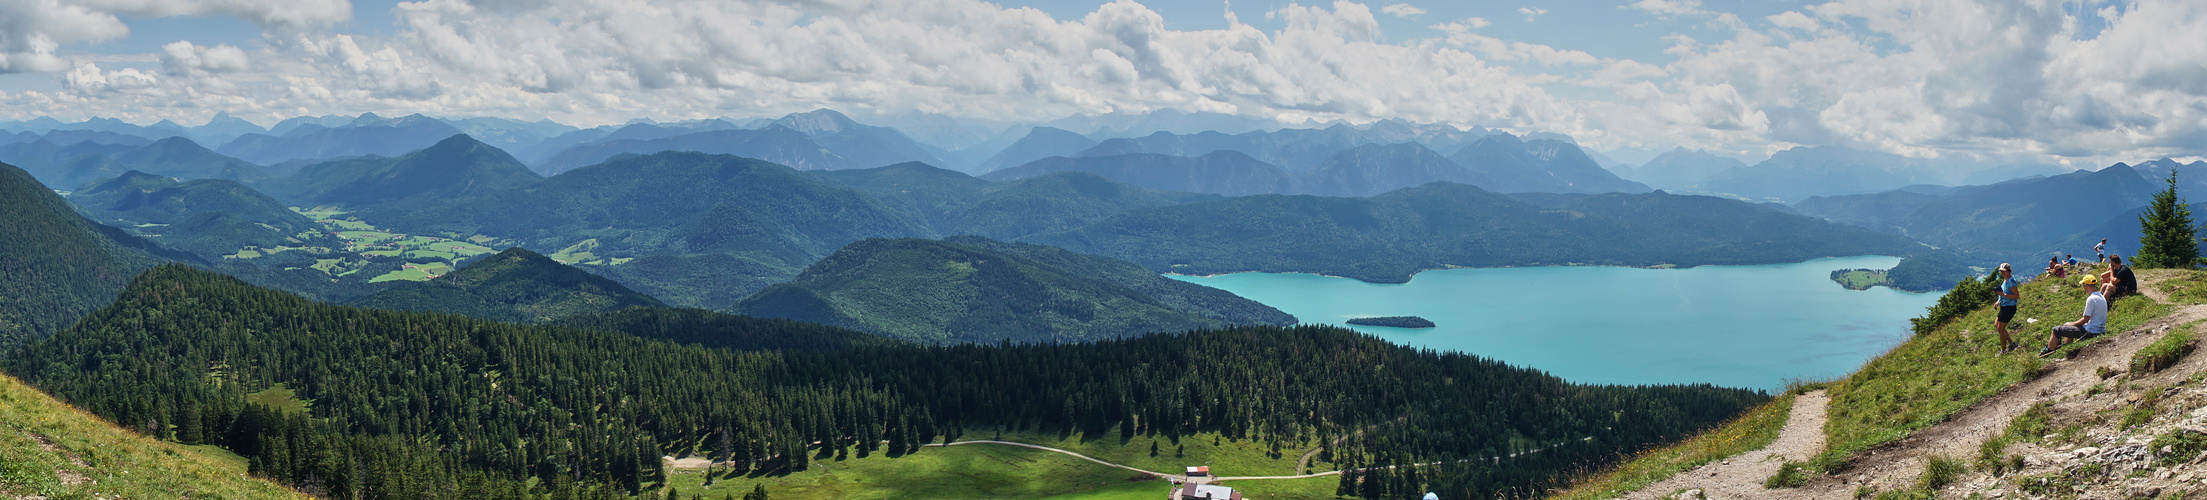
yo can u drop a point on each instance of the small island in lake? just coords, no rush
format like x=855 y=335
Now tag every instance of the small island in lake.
x=1861 y=279
x=1394 y=321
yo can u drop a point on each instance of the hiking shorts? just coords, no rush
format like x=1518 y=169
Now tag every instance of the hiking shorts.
x=2006 y=313
x=2072 y=332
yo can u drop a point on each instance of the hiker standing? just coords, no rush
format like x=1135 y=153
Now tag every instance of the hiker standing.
x=2091 y=325
x=2008 y=300
x=2101 y=249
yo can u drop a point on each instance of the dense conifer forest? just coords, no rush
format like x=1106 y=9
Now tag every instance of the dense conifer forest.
x=423 y=405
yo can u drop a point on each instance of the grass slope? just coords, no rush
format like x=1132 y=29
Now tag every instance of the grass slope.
x=1933 y=376
x=987 y=470
x=50 y=450
x=1920 y=383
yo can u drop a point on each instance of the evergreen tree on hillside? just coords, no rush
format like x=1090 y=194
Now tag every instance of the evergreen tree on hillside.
x=2169 y=239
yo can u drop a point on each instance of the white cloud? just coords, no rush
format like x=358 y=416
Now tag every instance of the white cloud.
x=30 y=31
x=1925 y=77
x=1403 y=10
x=1531 y=13
x=267 y=13
x=184 y=58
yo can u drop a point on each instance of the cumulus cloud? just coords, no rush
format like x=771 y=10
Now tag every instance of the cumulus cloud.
x=1403 y=10
x=1996 y=78
x=1531 y=13
x=267 y=13
x=183 y=58
x=30 y=31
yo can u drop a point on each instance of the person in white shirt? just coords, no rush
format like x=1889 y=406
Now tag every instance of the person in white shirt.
x=2101 y=249
x=2091 y=325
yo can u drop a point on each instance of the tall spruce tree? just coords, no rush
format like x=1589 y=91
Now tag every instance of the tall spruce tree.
x=2169 y=238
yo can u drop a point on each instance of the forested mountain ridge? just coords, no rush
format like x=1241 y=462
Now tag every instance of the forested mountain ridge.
x=456 y=166
x=209 y=218
x=515 y=285
x=443 y=406
x=1224 y=172
x=55 y=266
x=705 y=229
x=968 y=291
x=1387 y=238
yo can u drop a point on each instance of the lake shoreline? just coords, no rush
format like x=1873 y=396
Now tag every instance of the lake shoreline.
x=1751 y=325
x=1414 y=275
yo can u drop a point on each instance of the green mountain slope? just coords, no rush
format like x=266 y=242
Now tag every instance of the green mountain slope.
x=51 y=450
x=725 y=331
x=55 y=266
x=2028 y=217
x=386 y=403
x=1224 y=172
x=945 y=292
x=208 y=217
x=456 y=166
x=1202 y=300
x=682 y=208
x=1388 y=237
x=923 y=192
x=1057 y=202
x=515 y=285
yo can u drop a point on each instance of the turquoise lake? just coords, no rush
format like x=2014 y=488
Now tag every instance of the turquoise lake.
x=1741 y=326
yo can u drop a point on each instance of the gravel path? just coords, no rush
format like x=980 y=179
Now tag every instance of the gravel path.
x=1742 y=475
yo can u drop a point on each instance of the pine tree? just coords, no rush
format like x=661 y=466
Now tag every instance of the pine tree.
x=2168 y=237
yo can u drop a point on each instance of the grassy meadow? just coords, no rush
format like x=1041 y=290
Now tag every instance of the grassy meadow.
x=989 y=470
x=51 y=450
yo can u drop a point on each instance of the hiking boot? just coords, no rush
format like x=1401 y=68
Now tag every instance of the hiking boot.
x=2043 y=352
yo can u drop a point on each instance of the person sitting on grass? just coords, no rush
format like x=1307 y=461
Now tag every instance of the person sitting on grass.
x=2072 y=262
x=2008 y=294
x=2091 y=325
x=2053 y=267
x=2126 y=282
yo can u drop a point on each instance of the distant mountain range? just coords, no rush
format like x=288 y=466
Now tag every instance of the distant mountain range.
x=1387 y=238
x=1498 y=162
x=2023 y=220
x=1799 y=173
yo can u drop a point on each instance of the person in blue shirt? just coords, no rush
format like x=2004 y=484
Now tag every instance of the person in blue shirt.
x=2009 y=295
x=2091 y=325
x=2072 y=260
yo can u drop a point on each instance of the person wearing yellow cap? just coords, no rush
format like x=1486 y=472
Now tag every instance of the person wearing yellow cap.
x=2091 y=325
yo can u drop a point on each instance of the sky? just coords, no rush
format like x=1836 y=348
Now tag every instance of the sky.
x=2081 y=82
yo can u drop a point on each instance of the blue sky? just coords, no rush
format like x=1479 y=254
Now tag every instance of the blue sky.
x=2076 y=81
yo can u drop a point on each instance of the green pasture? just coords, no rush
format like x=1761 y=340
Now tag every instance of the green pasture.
x=992 y=471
